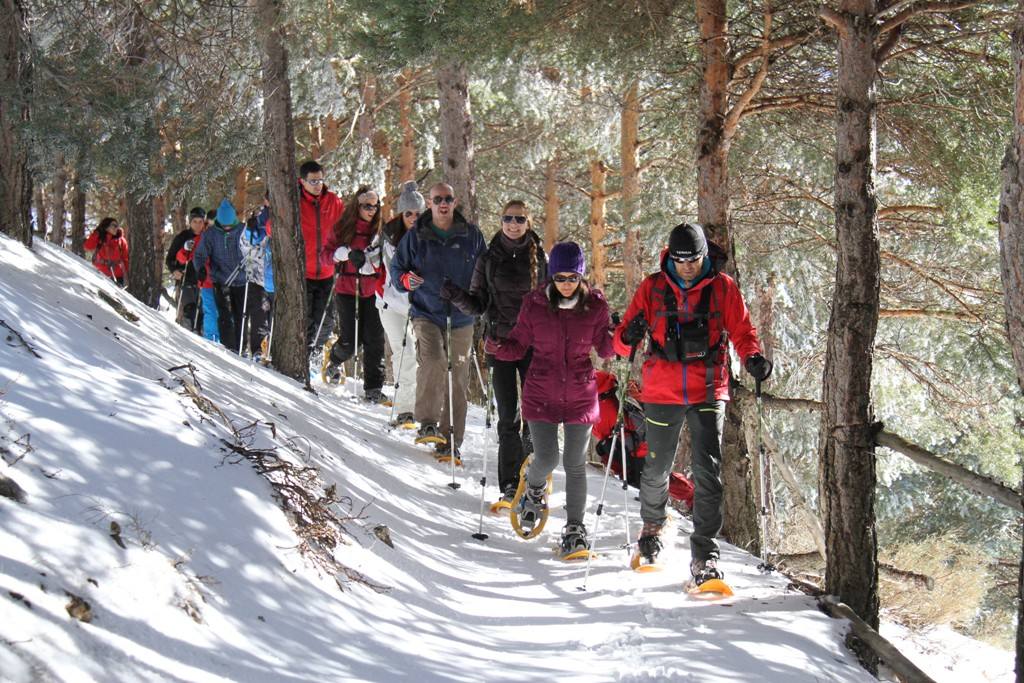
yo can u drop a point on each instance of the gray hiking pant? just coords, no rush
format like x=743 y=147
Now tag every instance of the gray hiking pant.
x=705 y=421
x=432 y=375
x=545 y=459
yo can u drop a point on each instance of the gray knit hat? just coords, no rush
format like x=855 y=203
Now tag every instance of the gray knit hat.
x=410 y=199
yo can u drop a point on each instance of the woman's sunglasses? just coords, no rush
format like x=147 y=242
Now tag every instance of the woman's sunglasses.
x=562 y=279
x=371 y=208
x=518 y=219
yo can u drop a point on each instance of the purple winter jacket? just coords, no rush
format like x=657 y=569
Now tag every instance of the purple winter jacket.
x=561 y=385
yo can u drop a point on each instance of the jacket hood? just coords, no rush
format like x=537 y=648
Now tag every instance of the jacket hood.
x=459 y=222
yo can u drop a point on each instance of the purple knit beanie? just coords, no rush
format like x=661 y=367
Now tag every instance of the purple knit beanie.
x=567 y=257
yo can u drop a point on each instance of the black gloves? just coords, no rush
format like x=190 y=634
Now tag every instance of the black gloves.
x=635 y=331
x=449 y=291
x=616 y=318
x=759 y=367
x=357 y=257
x=189 y=245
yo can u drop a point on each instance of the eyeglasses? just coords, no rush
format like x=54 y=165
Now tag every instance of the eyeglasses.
x=313 y=181
x=371 y=208
x=446 y=199
x=518 y=219
x=562 y=279
x=686 y=259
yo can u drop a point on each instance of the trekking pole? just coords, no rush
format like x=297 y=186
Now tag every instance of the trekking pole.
x=245 y=310
x=765 y=566
x=355 y=340
x=323 y=316
x=608 y=466
x=476 y=366
x=622 y=448
x=451 y=401
x=480 y=535
x=270 y=341
x=401 y=362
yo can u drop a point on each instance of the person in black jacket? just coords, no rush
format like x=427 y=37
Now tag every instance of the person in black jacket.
x=190 y=315
x=512 y=266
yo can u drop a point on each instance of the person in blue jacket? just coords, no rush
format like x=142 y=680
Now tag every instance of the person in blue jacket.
x=220 y=244
x=441 y=247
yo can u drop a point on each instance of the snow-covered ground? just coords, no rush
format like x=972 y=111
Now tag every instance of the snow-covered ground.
x=210 y=586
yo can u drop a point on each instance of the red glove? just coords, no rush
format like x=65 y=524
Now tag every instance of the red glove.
x=411 y=281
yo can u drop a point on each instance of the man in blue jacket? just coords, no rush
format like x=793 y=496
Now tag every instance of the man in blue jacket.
x=220 y=244
x=441 y=247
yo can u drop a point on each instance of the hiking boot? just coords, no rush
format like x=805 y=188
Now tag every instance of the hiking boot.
x=375 y=396
x=648 y=547
x=443 y=452
x=705 y=570
x=531 y=506
x=405 y=421
x=509 y=494
x=333 y=373
x=574 y=538
x=429 y=433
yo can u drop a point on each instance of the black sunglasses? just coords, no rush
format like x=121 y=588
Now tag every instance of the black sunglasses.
x=369 y=207
x=561 y=279
x=686 y=259
x=410 y=214
x=518 y=219
x=446 y=199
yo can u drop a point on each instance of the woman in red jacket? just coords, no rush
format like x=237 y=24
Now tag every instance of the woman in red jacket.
x=690 y=312
x=563 y=320
x=357 y=253
x=110 y=250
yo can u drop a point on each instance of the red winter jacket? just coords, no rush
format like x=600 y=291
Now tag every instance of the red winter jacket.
x=111 y=257
x=317 y=216
x=184 y=257
x=561 y=385
x=346 y=282
x=663 y=379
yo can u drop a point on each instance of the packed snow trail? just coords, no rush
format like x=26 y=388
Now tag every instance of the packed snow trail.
x=210 y=586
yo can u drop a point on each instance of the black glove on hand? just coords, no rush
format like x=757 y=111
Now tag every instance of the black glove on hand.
x=449 y=290
x=189 y=245
x=759 y=367
x=635 y=331
x=357 y=257
x=616 y=318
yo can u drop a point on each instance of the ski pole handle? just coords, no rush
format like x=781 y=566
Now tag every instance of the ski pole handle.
x=757 y=388
x=632 y=352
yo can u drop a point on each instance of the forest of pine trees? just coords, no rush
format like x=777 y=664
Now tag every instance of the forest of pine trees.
x=860 y=161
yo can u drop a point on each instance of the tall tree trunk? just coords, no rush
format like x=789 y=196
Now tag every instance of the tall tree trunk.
x=144 y=267
x=241 y=192
x=847 y=437
x=629 y=140
x=331 y=136
x=407 y=159
x=457 y=165
x=77 y=213
x=39 y=201
x=15 y=82
x=365 y=124
x=551 y=203
x=58 y=232
x=144 y=262
x=740 y=523
x=289 y=344
x=159 y=234
x=598 y=198
x=1011 y=249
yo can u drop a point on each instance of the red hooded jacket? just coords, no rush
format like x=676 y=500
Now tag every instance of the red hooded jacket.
x=184 y=257
x=317 y=216
x=663 y=380
x=111 y=257
x=346 y=283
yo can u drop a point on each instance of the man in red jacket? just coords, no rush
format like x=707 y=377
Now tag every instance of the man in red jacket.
x=319 y=210
x=689 y=312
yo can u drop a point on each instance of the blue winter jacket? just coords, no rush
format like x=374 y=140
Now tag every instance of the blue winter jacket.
x=421 y=251
x=221 y=245
x=268 y=263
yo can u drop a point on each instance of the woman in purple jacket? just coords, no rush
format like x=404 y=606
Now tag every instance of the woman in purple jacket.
x=562 y=320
